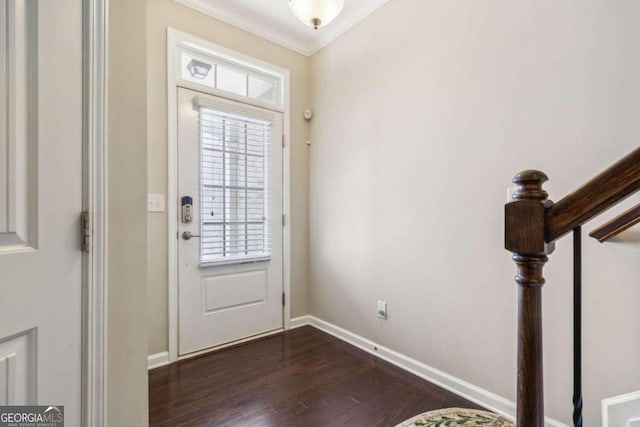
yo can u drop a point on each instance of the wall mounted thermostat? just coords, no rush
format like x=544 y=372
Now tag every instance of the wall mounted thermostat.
x=308 y=114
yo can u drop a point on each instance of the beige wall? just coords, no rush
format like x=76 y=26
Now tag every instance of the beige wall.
x=423 y=114
x=168 y=13
x=127 y=162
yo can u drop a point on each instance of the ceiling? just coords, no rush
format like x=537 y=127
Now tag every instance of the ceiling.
x=272 y=20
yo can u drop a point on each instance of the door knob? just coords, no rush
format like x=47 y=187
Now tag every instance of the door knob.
x=187 y=235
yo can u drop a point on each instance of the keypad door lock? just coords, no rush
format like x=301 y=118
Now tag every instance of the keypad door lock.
x=187 y=209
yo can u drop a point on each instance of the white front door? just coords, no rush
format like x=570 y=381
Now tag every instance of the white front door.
x=229 y=221
x=40 y=204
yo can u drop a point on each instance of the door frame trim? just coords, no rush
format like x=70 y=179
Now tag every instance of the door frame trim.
x=176 y=39
x=94 y=263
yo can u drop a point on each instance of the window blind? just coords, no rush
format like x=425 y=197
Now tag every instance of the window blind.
x=235 y=159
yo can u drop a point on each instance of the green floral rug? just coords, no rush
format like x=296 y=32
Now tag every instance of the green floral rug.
x=453 y=417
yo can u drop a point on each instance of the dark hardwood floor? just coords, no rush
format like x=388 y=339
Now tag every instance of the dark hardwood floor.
x=303 y=377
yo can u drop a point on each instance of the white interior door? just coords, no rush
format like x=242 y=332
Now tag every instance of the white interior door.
x=230 y=221
x=40 y=203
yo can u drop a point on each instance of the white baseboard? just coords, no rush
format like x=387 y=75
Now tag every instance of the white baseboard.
x=157 y=360
x=296 y=322
x=462 y=388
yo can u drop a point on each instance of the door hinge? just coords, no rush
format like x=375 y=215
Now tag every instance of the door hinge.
x=283 y=300
x=283 y=139
x=85 y=231
x=283 y=219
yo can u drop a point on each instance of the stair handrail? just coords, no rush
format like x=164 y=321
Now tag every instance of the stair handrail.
x=604 y=191
x=532 y=225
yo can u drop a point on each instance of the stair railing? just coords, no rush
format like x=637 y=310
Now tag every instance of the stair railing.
x=532 y=225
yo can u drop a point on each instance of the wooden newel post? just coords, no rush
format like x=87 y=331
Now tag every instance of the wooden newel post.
x=525 y=237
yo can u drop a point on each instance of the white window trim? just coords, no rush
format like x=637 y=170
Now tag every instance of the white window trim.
x=176 y=42
x=207 y=55
x=183 y=42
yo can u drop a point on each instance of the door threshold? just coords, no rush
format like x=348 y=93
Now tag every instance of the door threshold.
x=229 y=344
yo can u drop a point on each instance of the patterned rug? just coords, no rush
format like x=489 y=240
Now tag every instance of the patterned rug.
x=453 y=417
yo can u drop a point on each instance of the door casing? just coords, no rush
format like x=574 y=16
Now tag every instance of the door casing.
x=94 y=164
x=176 y=39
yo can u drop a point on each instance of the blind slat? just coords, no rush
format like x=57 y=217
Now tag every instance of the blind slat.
x=235 y=162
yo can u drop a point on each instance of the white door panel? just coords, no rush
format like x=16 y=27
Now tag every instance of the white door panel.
x=235 y=290
x=230 y=270
x=41 y=200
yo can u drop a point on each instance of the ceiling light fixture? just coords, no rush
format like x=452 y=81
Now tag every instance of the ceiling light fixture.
x=315 y=13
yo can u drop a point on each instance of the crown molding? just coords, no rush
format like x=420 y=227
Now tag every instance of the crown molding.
x=307 y=49
x=351 y=21
x=247 y=25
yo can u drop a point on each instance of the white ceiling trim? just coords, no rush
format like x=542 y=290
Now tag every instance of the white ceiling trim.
x=353 y=20
x=307 y=49
x=244 y=24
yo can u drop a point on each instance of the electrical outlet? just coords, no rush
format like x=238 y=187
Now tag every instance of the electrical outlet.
x=382 y=310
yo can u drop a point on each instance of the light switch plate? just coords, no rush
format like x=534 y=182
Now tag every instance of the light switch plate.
x=155 y=203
